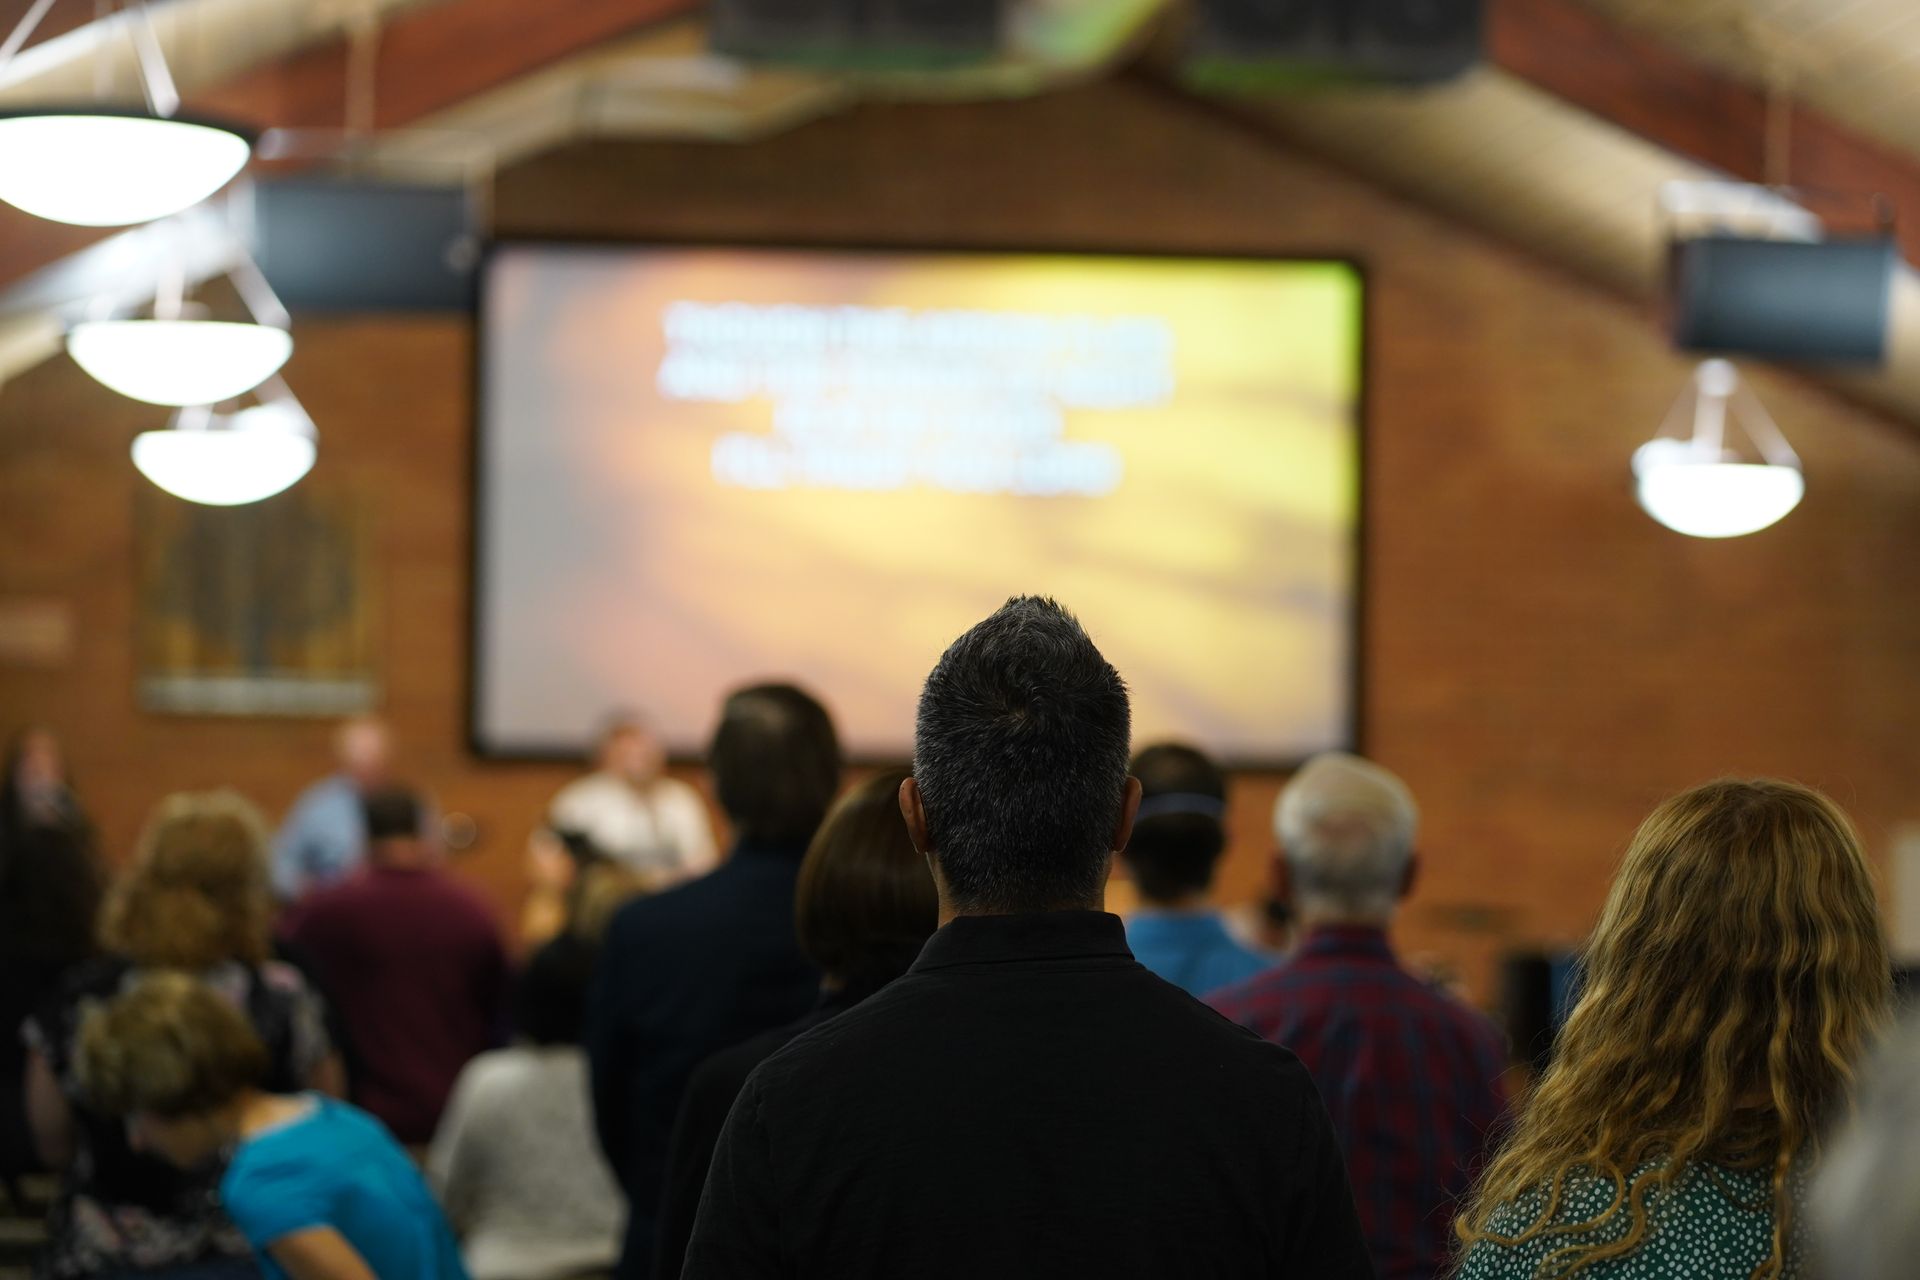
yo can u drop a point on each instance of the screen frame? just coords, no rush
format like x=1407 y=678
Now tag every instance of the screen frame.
x=1357 y=682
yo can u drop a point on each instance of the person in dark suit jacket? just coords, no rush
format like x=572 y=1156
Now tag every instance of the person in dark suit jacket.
x=1028 y=1101
x=863 y=908
x=688 y=972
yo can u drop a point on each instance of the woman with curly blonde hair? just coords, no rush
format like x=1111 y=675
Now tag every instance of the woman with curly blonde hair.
x=1735 y=978
x=195 y=898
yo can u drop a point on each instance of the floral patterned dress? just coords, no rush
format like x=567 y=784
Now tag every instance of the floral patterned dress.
x=118 y=1210
x=1714 y=1223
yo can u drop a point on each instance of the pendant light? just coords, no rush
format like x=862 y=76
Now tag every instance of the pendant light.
x=230 y=459
x=1697 y=486
x=174 y=358
x=179 y=362
x=108 y=167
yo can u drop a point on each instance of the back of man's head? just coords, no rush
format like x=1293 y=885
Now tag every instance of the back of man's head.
x=1346 y=827
x=1020 y=757
x=1179 y=832
x=396 y=826
x=776 y=763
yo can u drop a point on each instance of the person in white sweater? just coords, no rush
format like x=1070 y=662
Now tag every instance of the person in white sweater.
x=634 y=813
x=515 y=1162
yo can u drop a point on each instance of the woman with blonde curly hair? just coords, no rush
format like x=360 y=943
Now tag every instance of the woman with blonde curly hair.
x=195 y=898
x=1735 y=978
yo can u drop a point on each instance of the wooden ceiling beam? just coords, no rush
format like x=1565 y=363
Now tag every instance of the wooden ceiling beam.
x=1638 y=84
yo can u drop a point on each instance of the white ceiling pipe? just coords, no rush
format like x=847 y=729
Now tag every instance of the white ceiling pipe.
x=205 y=42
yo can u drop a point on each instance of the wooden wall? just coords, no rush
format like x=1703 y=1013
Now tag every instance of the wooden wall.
x=1543 y=663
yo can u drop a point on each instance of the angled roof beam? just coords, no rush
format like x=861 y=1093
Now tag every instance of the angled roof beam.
x=1640 y=85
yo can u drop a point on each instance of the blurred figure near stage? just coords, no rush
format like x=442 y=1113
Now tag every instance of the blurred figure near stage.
x=324 y=837
x=36 y=791
x=572 y=888
x=634 y=813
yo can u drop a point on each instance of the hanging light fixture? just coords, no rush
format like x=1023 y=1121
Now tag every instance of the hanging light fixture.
x=177 y=359
x=229 y=459
x=111 y=167
x=179 y=362
x=1699 y=487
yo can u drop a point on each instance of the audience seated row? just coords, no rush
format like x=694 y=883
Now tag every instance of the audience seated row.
x=899 y=1036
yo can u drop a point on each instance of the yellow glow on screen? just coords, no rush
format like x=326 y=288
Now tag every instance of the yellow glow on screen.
x=706 y=466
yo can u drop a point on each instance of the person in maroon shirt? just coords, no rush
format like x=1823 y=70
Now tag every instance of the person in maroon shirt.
x=414 y=961
x=1413 y=1078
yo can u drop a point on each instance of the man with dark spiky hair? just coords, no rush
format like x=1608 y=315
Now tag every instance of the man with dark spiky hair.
x=1027 y=1100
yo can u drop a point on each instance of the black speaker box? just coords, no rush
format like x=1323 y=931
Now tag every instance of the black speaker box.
x=1297 y=43
x=329 y=244
x=872 y=33
x=1820 y=301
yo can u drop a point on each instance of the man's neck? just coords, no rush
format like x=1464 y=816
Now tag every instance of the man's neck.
x=1185 y=904
x=1311 y=920
x=949 y=913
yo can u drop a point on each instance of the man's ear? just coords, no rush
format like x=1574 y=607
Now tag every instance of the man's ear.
x=1129 y=806
x=1412 y=876
x=915 y=816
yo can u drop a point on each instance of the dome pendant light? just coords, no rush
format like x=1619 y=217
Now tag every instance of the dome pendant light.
x=230 y=459
x=179 y=362
x=172 y=359
x=1697 y=486
x=110 y=167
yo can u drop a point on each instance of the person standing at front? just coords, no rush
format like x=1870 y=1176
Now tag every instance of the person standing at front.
x=1027 y=1100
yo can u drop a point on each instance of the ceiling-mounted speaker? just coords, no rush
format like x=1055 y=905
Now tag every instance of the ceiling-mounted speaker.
x=1823 y=301
x=858 y=34
x=347 y=244
x=1292 y=44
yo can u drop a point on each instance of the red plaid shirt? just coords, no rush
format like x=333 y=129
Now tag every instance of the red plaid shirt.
x=1411 y=1076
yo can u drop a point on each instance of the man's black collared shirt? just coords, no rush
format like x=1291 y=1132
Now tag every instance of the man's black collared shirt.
x=1028 y=1101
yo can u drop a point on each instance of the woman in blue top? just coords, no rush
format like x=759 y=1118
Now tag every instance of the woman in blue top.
x=319 y=1188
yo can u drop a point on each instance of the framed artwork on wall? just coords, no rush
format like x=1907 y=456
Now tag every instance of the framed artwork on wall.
x=258 y=610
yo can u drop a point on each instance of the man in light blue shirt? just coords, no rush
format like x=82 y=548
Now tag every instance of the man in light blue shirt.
x=324 y=837
x=1177 y=841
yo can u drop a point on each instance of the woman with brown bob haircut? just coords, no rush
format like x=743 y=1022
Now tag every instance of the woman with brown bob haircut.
x=1735 y=978
x=195 y=898
x=864 y=904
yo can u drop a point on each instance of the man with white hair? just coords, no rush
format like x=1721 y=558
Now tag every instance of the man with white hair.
x=1412 y=1077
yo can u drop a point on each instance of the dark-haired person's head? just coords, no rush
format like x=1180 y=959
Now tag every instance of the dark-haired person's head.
x=776 y=763
x=396 y=828
x=35 y=790
x=50 y=893
x=1020 y=792
x=550 y=997
x=1179 y=832
x=865 y=901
